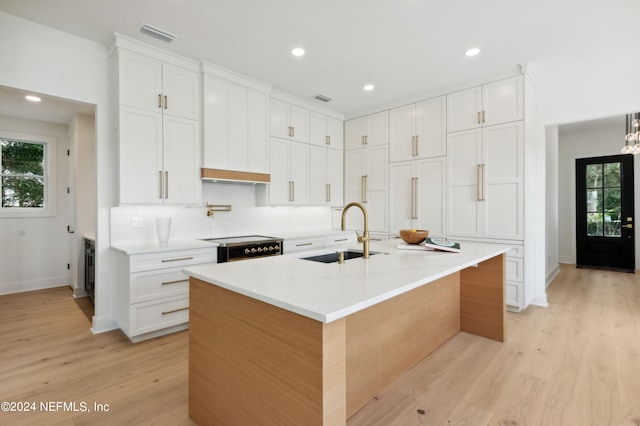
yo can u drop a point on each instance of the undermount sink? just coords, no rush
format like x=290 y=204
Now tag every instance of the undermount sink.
x=333 y=257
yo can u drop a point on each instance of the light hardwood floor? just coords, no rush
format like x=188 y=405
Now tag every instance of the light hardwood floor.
x=576 y=362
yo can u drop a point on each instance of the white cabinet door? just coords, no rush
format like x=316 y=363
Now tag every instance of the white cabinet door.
x=464 y=165
x=335 y=177
x=299 y=172
x=318 y=124
x=139 y=81
x=141 y=174
x=371 y=130
x=181 y=92
x=216 y=122
x=318 y=175
x=430 y=128
x=377 y=189
x=335 y=131
x=402 y=196
x=288 y=121
x=289 y=168
x=299 y=119
x=402 y=133
x=257 y=125
x=377 y=126
x=279 y=188
x=464 y=109
x=431 y=196
x=181 y=159
x=354 y=133
x=237 y=143
x=354 y=183
x=279 y=125
x=503 y=181
x=486 y=182
x=503 y=101
x=495 y=103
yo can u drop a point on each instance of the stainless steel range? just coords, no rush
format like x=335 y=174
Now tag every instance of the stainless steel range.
x=246 y=247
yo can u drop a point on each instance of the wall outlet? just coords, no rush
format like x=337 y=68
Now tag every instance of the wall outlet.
x=137 y=222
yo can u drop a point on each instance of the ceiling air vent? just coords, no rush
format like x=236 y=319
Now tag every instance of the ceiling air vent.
x=157 y=33
x=322 y=98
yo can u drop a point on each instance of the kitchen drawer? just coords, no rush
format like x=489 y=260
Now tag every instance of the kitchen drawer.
x=516 y=251
x=155 y=315
x=515 y=269
x=149 y=285
x=171 y=259
x=340 y=240
x=514 y=296
x=302 y=244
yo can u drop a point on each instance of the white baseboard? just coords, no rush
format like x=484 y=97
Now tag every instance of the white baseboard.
x=22 y=286
x=103 y=324
x=551 y=275
x=540 y=300
x=566 y=259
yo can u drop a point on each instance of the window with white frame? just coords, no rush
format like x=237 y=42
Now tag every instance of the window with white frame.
x=26 y=182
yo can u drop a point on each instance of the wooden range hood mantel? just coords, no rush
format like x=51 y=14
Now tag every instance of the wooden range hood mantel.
x=234 y=176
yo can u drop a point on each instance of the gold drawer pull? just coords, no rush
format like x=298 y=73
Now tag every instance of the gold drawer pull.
x=177 y=260
x=175 y=310
x=175 y=282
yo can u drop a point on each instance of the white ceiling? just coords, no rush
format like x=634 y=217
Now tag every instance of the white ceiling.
x=404 y=47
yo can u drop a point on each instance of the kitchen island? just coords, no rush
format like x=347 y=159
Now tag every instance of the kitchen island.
x=284 y=340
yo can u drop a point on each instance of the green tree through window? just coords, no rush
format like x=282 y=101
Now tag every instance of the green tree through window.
x=23 y=174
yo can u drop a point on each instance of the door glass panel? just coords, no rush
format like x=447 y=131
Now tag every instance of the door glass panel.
x=603 y=200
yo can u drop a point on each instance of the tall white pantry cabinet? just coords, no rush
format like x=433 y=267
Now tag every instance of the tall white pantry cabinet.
x=158 y=99
x=485 y=172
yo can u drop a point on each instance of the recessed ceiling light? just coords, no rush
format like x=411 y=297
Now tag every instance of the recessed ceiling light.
x=368 y=87
x=32 y=98
x=298 y=51
x=472 y=52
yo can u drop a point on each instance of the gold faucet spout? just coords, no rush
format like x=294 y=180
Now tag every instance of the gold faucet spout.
x=364 y=239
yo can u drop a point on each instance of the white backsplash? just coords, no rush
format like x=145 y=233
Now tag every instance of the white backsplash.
x=244 y=219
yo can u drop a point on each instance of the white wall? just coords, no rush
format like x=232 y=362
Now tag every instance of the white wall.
x=35 y=251
x=244 y=219
x=58 y=64
x=579 y=88
x=551 y=207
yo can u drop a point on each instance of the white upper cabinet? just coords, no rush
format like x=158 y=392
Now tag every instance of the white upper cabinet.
x=370 y=130
x=325 y=131
x=325 y=176
x=158 y=128
x=289 y=165
x=235 y=125
x=495 y=103
x=149 y=84
x=418 y=130
x=417 y=196
x=288 y=121
x=486 y=182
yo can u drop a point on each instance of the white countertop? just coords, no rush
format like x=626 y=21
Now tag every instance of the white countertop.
x=141 y=248
x=327 y=292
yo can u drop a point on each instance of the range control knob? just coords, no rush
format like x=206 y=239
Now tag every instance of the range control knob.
x=253 y=250
x=259 y=249
x=271 y=248
x=246 y=251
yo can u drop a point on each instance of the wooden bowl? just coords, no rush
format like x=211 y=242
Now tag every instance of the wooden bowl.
x=414 y=236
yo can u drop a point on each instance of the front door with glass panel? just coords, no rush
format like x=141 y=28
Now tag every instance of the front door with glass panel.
x=604 y=212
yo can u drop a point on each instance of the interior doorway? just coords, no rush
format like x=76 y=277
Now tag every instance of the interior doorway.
x=604 y=213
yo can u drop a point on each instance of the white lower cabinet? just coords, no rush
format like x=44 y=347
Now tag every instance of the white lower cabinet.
x=152 y=292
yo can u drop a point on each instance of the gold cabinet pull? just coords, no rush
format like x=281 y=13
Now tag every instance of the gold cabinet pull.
x=479 y=174
x=175 y=282
x=327 y=192
x=327 y=140
x=479 y=117
x=363 y=142
x=628 y=225
x=174 y=311
x=166 y=184
x=159 y=100
x=166 y=102
x=293 y=132
x=160 y=184
x=417 y=145
x=483 y=117
x=293 y=190
x=179 y=259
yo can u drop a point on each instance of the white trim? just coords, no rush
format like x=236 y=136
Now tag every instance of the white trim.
x=551 y=275
x=22 y=286
x=50 y=176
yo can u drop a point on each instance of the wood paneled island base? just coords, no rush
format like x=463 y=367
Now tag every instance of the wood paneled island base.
x=254 y=363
